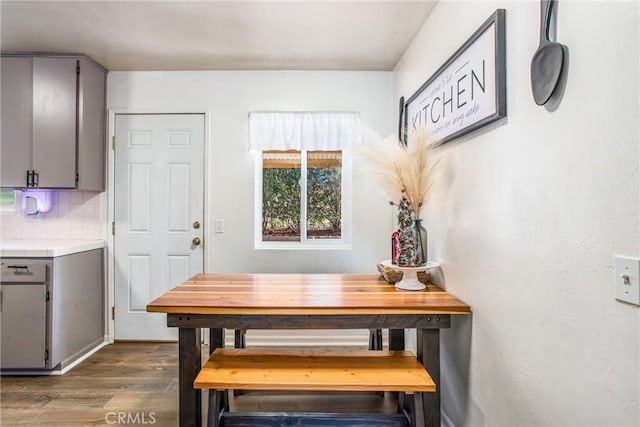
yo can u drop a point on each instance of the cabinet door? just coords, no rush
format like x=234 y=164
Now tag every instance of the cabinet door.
x=55 y=82
x=91 y=126
x=17 y=119
x=24 y=325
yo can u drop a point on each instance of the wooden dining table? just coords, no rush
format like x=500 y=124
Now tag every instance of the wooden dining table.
x=302 y=301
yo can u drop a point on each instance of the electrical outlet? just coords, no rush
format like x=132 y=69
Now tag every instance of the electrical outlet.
x=627 y=279
x=219 y=226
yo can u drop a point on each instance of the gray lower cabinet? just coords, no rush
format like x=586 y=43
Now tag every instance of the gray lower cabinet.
x=24 y=325
x=53 y=122
x=51 y=310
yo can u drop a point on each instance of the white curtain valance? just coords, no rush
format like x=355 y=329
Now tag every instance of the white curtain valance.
x=304 y=130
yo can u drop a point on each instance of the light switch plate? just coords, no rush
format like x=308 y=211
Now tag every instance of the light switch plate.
x=627 y=279
x=219 y=226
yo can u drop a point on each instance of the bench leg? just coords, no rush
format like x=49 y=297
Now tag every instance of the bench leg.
x=375 y=339
x=239 y=341
x=375 y=344
x=396 y=339
x=396 y=343
x=416 y=409
x=402 y=403
x=216 y=339
x=239 y=338
x=215 y=404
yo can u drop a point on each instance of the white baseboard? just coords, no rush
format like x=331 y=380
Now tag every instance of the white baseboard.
x=84 y=357
x=304 y=337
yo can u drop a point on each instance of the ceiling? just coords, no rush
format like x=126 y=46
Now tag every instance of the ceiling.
x=218 y=34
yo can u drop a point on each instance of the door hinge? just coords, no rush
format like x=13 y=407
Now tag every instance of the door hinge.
x=46 y=355
x=77 y=178
x=113 y=228
x=113 y=142
x=113 y=313
x=48 y=296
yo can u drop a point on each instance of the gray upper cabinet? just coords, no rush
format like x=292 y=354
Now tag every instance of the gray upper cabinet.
x=53 y=122
x=16 y=129
x=92 y=127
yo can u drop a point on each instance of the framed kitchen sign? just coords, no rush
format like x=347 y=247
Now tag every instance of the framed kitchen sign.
x=468 y=91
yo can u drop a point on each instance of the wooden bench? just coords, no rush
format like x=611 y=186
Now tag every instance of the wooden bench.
x=396 y=371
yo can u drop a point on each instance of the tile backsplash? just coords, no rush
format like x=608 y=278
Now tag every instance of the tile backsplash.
x=64 y=214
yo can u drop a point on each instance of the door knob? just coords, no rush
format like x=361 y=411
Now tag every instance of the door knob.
x=195 y=241
x=196 y=225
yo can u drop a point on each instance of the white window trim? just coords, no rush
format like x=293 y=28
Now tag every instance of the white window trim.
x=344 y=243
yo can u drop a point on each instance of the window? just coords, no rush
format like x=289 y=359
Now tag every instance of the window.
x=301 y=195
x=7 y=200
x=303 y=190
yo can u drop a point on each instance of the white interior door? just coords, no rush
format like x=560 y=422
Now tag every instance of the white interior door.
x=159 y=186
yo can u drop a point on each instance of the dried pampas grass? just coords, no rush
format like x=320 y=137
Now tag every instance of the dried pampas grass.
x=400 y=170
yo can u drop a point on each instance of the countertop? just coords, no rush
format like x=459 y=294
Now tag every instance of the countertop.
x=46 y=248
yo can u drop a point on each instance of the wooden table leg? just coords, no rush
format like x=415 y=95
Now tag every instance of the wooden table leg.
x=189 y=363
x=429 y=355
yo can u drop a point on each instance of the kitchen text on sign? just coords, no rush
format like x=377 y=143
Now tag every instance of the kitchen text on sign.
x=461 y=91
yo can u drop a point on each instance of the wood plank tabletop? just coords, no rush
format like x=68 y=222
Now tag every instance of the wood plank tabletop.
x=301 y=294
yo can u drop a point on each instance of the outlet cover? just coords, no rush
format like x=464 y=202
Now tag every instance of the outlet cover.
x=627 y=279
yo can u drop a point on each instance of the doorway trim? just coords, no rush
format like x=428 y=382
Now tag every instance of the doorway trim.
x=108 y=208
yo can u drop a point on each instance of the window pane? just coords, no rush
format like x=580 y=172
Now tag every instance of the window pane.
x=281 y=196
x=7 y=197
x=324 y=212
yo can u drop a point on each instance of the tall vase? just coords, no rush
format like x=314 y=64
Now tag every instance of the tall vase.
x=420 y=234
x=407 y=246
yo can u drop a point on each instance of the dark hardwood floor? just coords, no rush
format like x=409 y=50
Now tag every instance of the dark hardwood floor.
x=137 y=383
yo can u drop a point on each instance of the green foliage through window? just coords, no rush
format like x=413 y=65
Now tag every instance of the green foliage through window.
x=281 y=204
x=7 y=198
x=324 y=213
x=282 y=198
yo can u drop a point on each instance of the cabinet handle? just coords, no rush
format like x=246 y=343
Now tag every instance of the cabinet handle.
x=33 y=179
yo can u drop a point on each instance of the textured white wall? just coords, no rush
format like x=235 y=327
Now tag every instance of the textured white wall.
x=230 y=96
x=526 y=218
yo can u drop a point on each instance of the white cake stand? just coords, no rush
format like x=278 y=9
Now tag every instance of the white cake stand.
x=410 y=280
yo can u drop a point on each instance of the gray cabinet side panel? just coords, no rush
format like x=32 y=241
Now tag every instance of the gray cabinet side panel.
x=16 y=121
x=54 y=121
x=78 y=303
x=91 y=127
